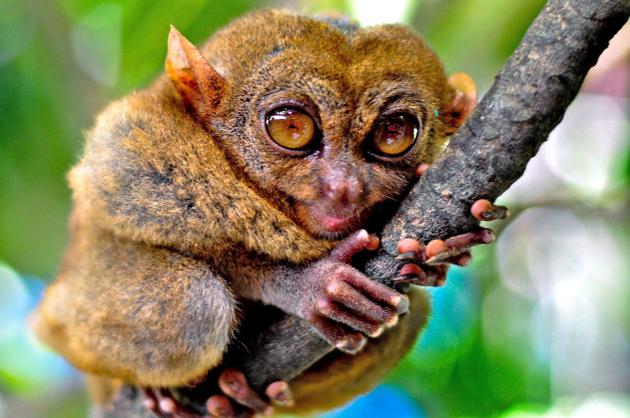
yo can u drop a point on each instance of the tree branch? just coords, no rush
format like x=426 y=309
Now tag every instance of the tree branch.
x=488 y=154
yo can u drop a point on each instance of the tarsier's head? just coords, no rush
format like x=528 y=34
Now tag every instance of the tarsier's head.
x=327 y=119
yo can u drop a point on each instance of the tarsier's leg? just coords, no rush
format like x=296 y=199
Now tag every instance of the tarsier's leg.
x=144 y=315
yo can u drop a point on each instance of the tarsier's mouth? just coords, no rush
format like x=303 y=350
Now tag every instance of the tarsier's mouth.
x=337 y=222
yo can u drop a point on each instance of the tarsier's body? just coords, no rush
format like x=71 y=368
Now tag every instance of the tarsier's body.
x=188 y=198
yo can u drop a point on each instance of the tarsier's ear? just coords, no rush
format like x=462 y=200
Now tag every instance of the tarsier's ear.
x=464 y=99
x=199 y=85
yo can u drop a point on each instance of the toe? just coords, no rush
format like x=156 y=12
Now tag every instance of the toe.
x=280 y=393
x=220 y=406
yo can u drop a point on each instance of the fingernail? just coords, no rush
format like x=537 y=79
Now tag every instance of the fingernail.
x=378 y=332
x=405 y=278
x=351 y=345
x=403 y=304
x=411 y=269
x=393 y=321
x=437 y=259
x=488 y=236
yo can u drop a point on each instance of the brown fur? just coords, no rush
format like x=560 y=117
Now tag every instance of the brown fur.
x=174 y=180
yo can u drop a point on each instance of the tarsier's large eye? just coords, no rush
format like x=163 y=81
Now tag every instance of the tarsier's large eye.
x=394 y=135
x=291 y=128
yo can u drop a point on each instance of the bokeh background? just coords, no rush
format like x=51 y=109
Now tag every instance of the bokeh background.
x=539 y=325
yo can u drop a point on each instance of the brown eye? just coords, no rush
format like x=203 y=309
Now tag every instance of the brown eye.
x=394 y=135
x=291 y=128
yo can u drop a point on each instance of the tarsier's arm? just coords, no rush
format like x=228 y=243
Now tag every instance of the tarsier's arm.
x=340 y=377
x=342 y=303
x=341 y=374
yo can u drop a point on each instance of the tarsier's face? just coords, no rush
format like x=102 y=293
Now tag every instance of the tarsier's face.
x=345 y=182
x=329 y=125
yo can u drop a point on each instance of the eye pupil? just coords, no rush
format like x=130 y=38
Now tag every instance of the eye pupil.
x=291 y=128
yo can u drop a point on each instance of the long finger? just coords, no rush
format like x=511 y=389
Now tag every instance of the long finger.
x=340 y=314
x=338 y=335
x=354 y=244
x=351 y=298
x=377 y=291
x=437 y=251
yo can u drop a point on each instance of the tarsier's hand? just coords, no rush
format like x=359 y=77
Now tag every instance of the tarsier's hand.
x=345 y=305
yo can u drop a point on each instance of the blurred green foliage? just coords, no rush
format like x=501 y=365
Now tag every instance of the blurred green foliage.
x=62 y=61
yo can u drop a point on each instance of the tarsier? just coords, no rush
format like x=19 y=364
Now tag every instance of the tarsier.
x=249 y=172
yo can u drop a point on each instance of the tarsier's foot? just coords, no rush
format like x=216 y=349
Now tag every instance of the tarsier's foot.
x=344 y=304
x=239 y=400
x=428 y=264
x=163 y=403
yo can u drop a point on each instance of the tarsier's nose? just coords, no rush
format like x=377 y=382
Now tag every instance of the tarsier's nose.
x=342 y=190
